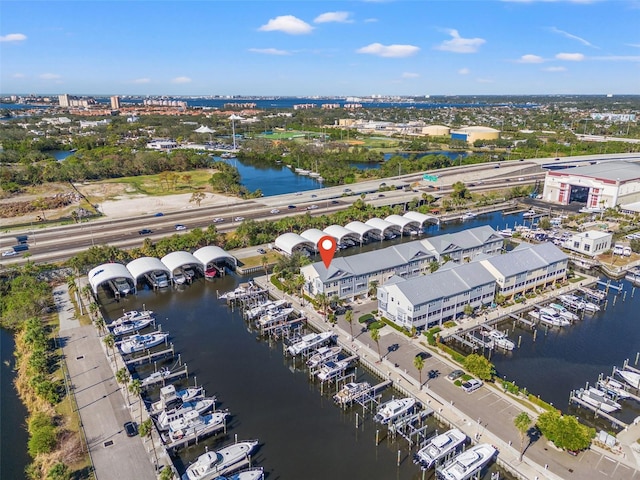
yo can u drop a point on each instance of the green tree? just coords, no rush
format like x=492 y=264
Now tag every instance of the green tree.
x=146 y=430
x=522 y=423
x=418 y=362
x=433 y=266
x=468 y=310
x=59 y=472
x=123 y=377
x=323 y=303
x=197 y=197
x=565 y=431
x=459 y=191
x=110 y=341
x=166 y=474
x=375 y=336
x=373 y=289
x=348 y=317
x=135 y=387
x=479 y=366
x=544 y=223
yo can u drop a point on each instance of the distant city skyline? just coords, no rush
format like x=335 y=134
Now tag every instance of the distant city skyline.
x=313 y=48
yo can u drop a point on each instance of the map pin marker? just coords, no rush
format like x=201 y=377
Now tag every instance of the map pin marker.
x=327 y=248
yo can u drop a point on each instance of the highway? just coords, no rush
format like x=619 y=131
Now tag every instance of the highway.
x=58 y=243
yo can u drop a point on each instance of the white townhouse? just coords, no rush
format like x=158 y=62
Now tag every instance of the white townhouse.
x=348 y=277
x=590 y=243
x=526 y=268
x=466 y=244
x=430 y=300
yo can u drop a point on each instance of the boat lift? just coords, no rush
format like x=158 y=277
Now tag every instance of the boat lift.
x=405 y=426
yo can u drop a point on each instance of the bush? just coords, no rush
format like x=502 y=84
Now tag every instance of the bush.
x=42 y=440
x=367 y=317
x=431 y=335
x=59 y=472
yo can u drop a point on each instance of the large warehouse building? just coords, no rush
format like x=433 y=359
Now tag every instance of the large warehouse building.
x=598 y=186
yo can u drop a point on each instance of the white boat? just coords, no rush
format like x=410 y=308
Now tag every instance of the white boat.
x=501 y=340
x=310 y=342
x=572 y=301
x=129 y=326
x=156 y=377
x=195 y=425
x=465 y=465
x=351 y=392
x=170 y=398
x=591 y=307
x=506 y=232
x=274 y=316
x=389 y=411
x=179 y=278
x=468 y=216
x=244 y=290
x=613 y=388
x=553 y=320
x=322 y=355
x=131 y=315
x=632 y=378
x=439 y=448
x=563 y=312
x=219 y=462
x=598 y=399
x=332 y=369
x=264 y=307
x=529 y=214
x=200 y=405
x=249 y=474
x=138 y=343
x=633 y=276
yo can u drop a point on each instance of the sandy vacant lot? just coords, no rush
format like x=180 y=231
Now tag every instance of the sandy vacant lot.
x=141 y=205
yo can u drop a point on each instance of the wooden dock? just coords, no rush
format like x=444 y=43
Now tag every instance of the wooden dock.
x=149 y=356
x=150 y=381
x=599 y=413
x=473 y=346
x=522 y=320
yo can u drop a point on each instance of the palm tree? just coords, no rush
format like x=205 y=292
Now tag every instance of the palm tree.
x=135 y=387
x=265 y=262
x=123 y=377
x=373 y=288
x=100 y=325
x=322 y=300
x=418 y=362
x=93 y=308
x=71 y=284
x=110 y=341
x=349 y=319
x=375 y=336
x=522 y=423
x=146 y=430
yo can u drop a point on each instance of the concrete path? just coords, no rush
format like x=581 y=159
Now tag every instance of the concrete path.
x=100 y=401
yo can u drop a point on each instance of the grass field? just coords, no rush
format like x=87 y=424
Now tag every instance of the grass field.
x=162 y=184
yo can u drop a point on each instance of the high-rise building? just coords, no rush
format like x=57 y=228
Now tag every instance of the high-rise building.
x=63 y=100
x=115 y=102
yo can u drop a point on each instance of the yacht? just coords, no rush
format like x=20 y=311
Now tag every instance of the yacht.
x=529 y=214
x=613 y=388
x=193 y=425
x=553 y=320
x=468 y=216
x=249 y=474
x=632 y=378
x=590 y=306
x=179 y=278
x=264 y=307
x=322 y=355
x=572 y=301
x=465 y=465
x=219 y=462
x=156 y=377
x=332 y=369
x=244 y=290
x=171 y=398
x=274 y=317
x=563 y=312
x=501 y=340
x=130 y=326
x=351 y=392
x=310 y=342
x=138 y=343
x=598 y=399
x=389 y=411
x=130 y=316
x=506 y=232
x=200 y=405
x=439 y=448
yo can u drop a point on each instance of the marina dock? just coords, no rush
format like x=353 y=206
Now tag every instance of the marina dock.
x=194 y=438
x=149 y=356
x=599 y=413
x=154 y=379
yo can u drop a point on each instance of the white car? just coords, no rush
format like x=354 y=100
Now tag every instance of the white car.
x=275 y=210
x=238 y=219
x=180 y=227
x=472 y=385
x=9 y=253
x=218 y=220
x=312 y=207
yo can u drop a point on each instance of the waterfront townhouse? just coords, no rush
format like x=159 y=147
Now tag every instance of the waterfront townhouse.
x=348 y=277
x=430 y=300
x=527 y=268
x=466 y=244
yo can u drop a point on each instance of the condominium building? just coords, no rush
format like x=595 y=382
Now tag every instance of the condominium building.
x=115 y=102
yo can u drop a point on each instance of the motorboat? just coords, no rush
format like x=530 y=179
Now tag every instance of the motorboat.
x=322 y=355
x=130 y=316
x=156 y=377
x=220 y=462
x=590 y=306
x=129 y=326
x=171 y=398
x=563 y=312
x=613 y=388
x=572 y=301
x=632 y=378
x=193 y=424
x=599 y=399
x=332 y=369
x=199 y=405
x=468 y=216
x=466 y=464
x=211 y=272
x=310 y=342
x=274 y=316
x=264 y=307
x=550 y=318
x=179 y=278
x=249 y=474
x=351 y=392
x=389 y=411
x=529 y=214
x=500 y=339
x=506 y=232
x=138 y=343
x=244 y=290
x=439 y=448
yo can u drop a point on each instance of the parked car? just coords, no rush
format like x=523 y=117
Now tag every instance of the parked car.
x=262 y=251
x=131 y=429
x=145 y=231
x=456 y=374
x=472 y=385
x=179 y=226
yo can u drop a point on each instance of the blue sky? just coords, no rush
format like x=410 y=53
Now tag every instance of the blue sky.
x=308 y=47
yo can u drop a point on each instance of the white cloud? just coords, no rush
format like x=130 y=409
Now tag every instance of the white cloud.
x=13 y=37
x=410 y=75
x=49 y=76
x=530 y=59
x=554 y=69
x=142 y=80
x=634 y=45
x=287 y=24
x=395 y=51
x=181 y=80
x=572 y=37
x=338 y=17
x=269 y=51
x=18 y=75
x=570 y=57
x=617 y=58
x=371 y=20
x=460 y=45
x=484 y=80
x=464 y=71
